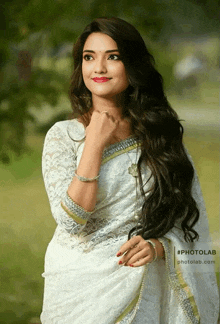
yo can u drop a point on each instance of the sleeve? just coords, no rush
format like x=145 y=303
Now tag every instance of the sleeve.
x=58 y=167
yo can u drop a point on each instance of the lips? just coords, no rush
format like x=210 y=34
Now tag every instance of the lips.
x=101 y=80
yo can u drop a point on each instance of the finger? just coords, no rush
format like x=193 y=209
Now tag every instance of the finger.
x=142 y=262
x=139 y=256
x=112 y=118
x=95 y=115
x=130 y=253
x=105 y=112
x=129 y=244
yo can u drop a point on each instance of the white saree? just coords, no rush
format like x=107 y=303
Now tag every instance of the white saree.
x=83 y=282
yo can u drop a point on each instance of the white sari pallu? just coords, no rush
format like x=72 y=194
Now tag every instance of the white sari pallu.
x=83 y=282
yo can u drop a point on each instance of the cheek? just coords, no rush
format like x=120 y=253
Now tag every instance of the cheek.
x=85 y=75
x=86 y=69
x=123 y=76
x=83 y=71
x=124 y=79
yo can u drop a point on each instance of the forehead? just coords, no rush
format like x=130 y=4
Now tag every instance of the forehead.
x=99 y=42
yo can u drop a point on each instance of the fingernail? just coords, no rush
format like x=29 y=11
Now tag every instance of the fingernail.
x=120 y=262
x=118 y=254
x=131 y=265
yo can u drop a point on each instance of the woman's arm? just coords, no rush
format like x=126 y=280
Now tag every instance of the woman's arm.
x=98 y=133
x=58 y=167
x=72 y=201
x=84 y=193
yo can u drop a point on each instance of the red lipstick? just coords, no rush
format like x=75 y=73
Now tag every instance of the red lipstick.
x=101 y=80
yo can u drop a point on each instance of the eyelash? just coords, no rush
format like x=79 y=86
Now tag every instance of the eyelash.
x=118 y=57
x=88 y=57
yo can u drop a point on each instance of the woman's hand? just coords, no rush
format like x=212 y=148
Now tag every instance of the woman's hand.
x=137 y=252
x=101 y=128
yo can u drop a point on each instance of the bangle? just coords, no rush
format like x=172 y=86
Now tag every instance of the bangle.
x=155 y=251
x=83 y=179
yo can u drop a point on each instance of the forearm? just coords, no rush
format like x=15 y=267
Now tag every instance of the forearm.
x=84 y=193
x=98 y=133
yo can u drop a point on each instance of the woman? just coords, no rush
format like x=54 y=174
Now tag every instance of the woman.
x=123 y=193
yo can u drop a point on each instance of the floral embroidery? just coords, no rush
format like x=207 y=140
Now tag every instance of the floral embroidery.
x=133 y=170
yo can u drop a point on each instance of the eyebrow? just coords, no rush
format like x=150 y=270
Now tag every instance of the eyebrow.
x=109 y=51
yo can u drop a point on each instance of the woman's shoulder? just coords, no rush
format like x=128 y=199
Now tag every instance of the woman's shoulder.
x=65 y=124
x=71 y=126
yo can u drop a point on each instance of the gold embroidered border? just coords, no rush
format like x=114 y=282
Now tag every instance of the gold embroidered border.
x=74 y=216
x=128 y=308
x=177 y=282
x=121 y=151
x=188 y=292
x=78 y=206
x=135 y=302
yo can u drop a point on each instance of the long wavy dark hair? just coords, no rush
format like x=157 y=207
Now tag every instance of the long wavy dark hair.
x=154 y=123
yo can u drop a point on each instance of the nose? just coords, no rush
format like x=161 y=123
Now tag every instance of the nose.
x=100 y=66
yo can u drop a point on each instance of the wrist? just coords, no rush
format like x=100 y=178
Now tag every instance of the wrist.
x=84 y=179
x=94 y=146
x=159 y=248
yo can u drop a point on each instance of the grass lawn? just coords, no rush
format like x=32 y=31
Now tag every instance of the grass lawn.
x=27 y=225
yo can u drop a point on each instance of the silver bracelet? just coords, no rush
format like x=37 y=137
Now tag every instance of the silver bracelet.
x=83 y=179
x=155 y=251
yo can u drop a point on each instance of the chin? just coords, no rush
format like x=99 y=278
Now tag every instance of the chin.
x=105 y=95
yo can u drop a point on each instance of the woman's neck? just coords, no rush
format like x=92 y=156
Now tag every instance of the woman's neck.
x=113 y=106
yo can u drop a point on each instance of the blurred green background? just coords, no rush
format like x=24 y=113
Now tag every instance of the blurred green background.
x=36 y=40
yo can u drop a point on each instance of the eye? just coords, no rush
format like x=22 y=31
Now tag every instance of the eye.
x=87 y=57
x=114 y=57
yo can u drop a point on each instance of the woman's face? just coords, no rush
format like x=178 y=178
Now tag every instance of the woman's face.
x=103 y=71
